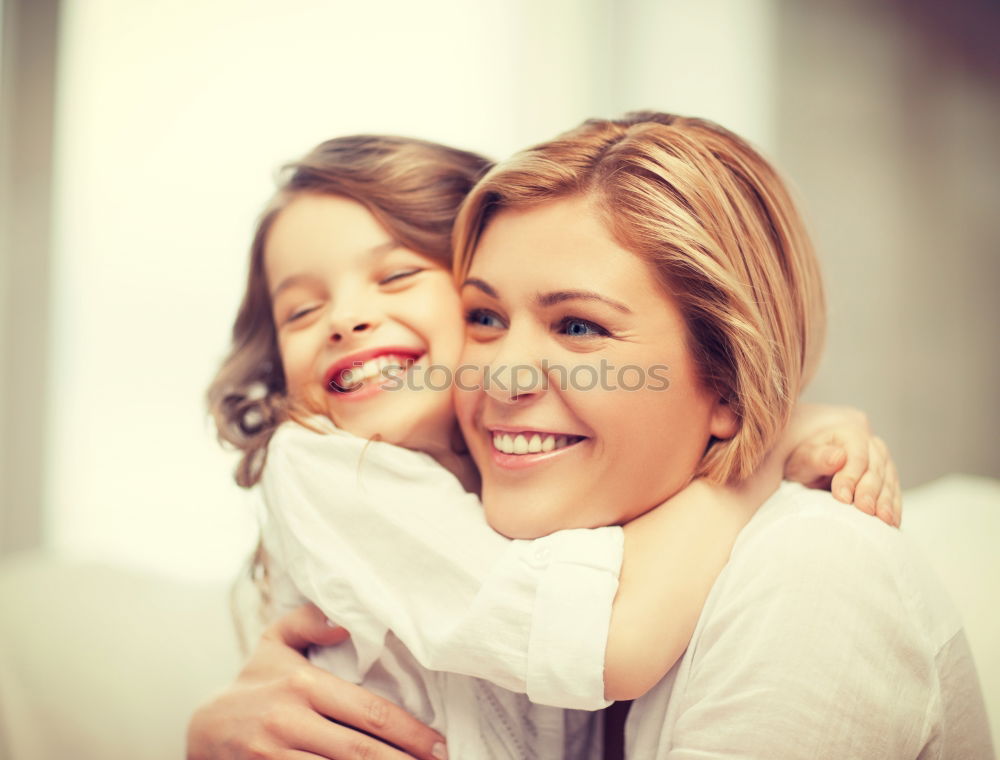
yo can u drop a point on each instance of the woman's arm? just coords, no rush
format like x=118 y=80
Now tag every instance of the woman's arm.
x=280 y=704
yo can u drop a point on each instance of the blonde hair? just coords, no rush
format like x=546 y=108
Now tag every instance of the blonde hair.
x=414 y=189
x=722 y=234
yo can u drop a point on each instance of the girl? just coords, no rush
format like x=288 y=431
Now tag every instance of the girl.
x=345 y=298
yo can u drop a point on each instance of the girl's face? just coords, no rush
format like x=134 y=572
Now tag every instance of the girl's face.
x=359 y=319
x=589 y=410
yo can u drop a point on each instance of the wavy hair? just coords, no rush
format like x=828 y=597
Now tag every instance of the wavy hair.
x=414 y=189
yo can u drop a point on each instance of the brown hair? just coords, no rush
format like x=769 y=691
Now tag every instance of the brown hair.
x=718 y=226
x=412 y=187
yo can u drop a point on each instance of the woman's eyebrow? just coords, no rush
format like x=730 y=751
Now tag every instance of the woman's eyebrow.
x=475 y=282
x=558 y=296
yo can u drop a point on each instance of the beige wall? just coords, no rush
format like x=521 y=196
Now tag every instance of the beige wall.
x=889 y=129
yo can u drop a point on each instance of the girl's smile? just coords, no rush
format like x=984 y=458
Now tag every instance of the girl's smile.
x=354 y=312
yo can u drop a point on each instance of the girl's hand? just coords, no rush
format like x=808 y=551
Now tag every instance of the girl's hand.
x=282 y=706
x=834 y=449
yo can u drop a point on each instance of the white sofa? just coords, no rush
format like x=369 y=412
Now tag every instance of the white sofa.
x=99 y=663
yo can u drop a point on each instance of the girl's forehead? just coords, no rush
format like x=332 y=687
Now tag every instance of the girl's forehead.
x=323 y=232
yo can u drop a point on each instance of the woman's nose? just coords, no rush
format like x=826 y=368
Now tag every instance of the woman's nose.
x=515 y=374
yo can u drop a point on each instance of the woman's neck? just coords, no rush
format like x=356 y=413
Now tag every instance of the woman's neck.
x=461 y=466
x=447 y=446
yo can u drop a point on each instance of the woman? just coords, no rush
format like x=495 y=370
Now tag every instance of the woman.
x=754 y=419
x=824 y=636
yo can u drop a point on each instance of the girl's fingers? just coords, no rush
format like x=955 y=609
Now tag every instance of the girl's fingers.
x=812 y=464
x=895 y=497
x=305 y=626
x=869 y=487
x=884 y=507
x=337 y=742
x=349 y=704
x=846 y=479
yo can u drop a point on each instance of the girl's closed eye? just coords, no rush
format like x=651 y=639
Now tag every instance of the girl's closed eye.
x=301 y=312
x=399 y=275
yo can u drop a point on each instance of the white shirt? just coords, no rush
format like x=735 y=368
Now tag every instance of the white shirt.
x=388 y=544
x=825 y=636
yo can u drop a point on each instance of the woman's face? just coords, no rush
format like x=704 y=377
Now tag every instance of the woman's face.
x=359 y=319
x=589 y=409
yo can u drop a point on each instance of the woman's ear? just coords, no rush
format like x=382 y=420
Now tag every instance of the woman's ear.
x=723 y=423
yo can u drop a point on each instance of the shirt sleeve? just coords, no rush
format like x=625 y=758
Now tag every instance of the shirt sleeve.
x=810 y=650
x=385 y=539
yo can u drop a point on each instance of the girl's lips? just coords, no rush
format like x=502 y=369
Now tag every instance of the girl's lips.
x=335 y=375
x=373 y=384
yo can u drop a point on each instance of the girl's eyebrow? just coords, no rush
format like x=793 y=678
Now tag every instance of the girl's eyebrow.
x=555 y=297
x=289 y=282
x=376 y=250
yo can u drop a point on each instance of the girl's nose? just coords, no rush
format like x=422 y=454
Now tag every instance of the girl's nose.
x=339 y=332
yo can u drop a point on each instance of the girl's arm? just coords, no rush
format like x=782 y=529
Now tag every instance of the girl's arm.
x=674 y=553
x=382 y=538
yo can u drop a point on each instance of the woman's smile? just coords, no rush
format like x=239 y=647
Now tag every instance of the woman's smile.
x=551 y=301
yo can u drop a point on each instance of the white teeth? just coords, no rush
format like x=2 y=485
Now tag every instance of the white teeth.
x=373 y=368
x=536 y=444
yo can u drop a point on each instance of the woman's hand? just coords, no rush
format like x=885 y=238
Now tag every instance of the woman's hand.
x=833 y=448
x=282 y=706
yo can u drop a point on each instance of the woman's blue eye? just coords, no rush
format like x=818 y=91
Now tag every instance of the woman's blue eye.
x=483 y=318
x=399 y=275
x=580 y=328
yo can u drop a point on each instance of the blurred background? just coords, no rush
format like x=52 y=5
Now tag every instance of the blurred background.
x=140 y=140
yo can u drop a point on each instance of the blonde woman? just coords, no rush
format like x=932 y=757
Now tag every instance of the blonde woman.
x=667 y=239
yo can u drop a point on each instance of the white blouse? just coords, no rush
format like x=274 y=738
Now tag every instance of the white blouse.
x=824 y=637
x=389 y=545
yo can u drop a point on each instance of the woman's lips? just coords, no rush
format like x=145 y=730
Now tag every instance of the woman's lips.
x=517 y=450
